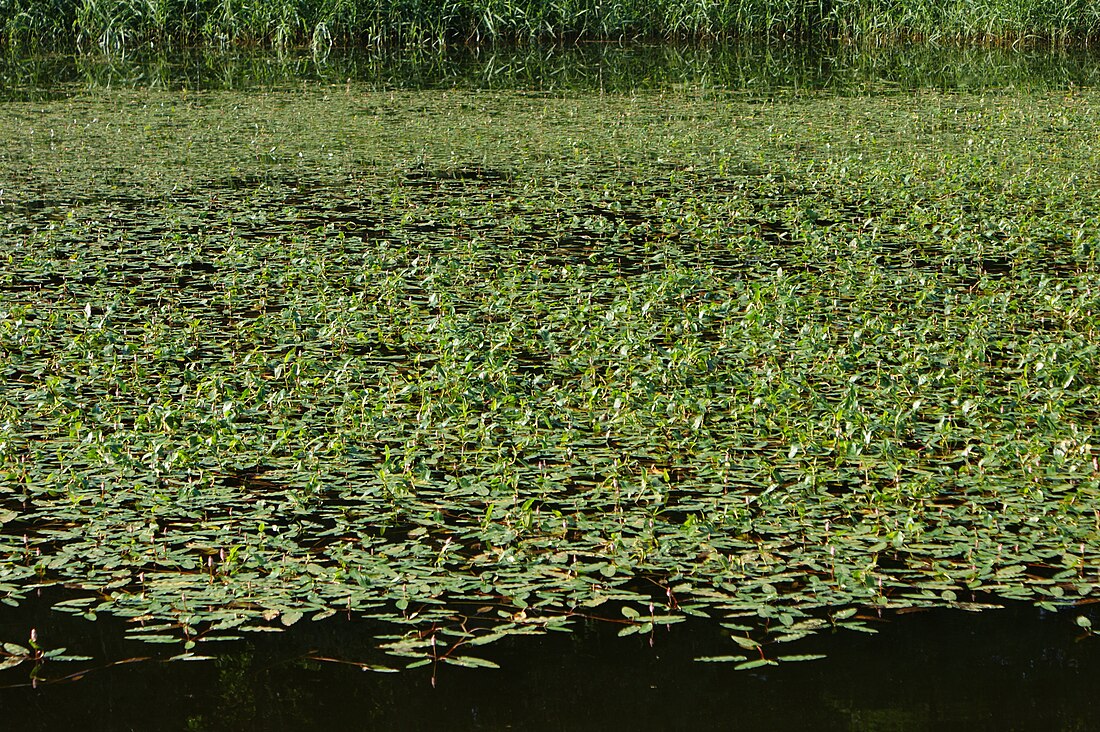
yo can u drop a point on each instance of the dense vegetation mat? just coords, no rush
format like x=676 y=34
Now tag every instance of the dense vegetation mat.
x=478 y=364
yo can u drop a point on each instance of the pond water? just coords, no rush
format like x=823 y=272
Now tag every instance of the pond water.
x=1013 y=669
x=585 y=363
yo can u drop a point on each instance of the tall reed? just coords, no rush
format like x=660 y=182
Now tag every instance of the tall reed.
x=321 y=23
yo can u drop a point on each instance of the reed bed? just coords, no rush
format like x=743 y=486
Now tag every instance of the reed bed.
x=114 y=24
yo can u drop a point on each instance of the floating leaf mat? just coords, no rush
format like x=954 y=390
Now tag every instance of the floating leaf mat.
x=484 y=363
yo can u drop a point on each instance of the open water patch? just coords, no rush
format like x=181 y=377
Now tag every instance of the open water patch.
x=1012 y=669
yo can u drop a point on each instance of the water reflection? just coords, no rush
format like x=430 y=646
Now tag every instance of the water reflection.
x=749 y=67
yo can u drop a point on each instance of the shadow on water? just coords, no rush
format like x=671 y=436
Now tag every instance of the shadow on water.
x=1012 y=669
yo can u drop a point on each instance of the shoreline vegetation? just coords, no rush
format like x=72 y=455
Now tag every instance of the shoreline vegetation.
x=321 y=24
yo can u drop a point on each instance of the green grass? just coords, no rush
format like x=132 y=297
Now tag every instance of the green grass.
x=115 y=24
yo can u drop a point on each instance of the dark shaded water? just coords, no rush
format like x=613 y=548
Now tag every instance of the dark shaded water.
x=1012 y=669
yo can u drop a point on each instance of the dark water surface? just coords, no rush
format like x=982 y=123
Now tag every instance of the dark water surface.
x=1012 y=669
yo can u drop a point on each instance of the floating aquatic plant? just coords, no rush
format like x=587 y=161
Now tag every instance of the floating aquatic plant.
x=477 y=366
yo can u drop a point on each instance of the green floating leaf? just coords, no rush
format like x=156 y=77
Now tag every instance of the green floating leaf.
x=860 y=627
x=487 y=638
x=59 y=655
x=666 y=619
x=694 y=610
x=1083 y=621
x=754 y=664
x=219 y=638
x=379 y=669
x=470 y=662
x=787 y=638
x=747 y=643
x=738 y=628
x=155 y=638
x=191 y=657
x=801 y=657
x=720 y=659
